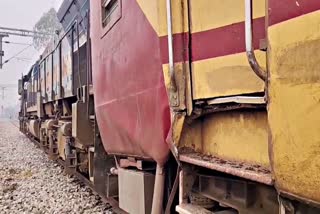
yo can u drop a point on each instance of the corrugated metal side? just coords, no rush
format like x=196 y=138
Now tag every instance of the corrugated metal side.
x=66 y=72
x=56 y=73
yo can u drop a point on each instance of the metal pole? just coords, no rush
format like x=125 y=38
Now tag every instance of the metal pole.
x=1 y=52
x=1 y=49
x=158 y=191
x=22 y=32
x=249 y=42
x=170 y=46
x=3 y=92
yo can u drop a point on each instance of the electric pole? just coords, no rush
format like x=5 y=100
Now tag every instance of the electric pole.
x=1 y=50
x=3 y=88
x=22 y=32
x=5 y=32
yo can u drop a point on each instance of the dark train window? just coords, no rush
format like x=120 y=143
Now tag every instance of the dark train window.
x=110 y=14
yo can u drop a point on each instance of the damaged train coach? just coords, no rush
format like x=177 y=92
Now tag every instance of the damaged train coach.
x=188 y=106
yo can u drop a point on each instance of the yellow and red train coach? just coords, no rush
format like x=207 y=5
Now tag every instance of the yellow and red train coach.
x=206 y=105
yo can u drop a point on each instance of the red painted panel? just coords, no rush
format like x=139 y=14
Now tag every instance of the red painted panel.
x=130 y=96
x=213 y=43
x=180 y=42
x=282 y=10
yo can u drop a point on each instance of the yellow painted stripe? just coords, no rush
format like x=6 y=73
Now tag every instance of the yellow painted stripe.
x=294 y=105
x=211 y=14
x=156 y=13
x=205 y=14
x=237 y=136
x=226 y=76
x=308 y=26
x=233 y=135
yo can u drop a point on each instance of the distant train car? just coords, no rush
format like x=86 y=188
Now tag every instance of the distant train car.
x=188 y=106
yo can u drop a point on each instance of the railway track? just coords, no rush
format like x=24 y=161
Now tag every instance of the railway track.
x=25 y=172
x=15 y=123
x=109 y=201
x=81 y=178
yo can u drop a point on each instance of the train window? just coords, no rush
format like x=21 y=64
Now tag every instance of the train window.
x=110 y=14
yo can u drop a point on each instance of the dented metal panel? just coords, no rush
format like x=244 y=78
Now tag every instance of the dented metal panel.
x=131 y=101
x=219 y=63
x=240 y=136
x=294 y=97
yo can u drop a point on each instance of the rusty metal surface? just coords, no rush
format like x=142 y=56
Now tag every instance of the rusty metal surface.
x=253 y=173
x=42 y=80
x=239 y=136
x=49 y=77
x=34 y=128
x=66 y=67
x=293 y=94
x=56 y=74
x=242 y=195
x=302 y=199
x=173 y=192
x=82 y=129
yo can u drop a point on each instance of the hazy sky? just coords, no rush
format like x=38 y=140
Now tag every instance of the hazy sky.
x=19 y=14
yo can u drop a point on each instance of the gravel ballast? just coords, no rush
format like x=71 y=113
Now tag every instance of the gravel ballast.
x=30 y=183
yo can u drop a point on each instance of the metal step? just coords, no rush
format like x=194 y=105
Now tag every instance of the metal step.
x=238 y=99
x=253 y=173
x=194 y=209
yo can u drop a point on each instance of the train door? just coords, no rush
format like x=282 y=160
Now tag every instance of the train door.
x=43 y=79
x=219 y=65
x=56 y=73
x=49 y=78
x=66 y=69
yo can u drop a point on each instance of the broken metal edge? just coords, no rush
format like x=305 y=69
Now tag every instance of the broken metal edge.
x=265 y=178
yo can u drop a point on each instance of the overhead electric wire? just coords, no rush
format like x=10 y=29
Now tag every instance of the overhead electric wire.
x=15 y=43
x=22 y=59
x=17 y=54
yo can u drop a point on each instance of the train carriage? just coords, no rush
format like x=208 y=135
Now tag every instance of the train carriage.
x=188 y=106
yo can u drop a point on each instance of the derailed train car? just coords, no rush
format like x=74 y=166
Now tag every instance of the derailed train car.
x=194 y=106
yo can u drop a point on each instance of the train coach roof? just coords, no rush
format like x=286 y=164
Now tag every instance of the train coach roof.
x=34 y=69
x=69 y=11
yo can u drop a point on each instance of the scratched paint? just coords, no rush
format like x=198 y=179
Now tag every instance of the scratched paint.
x=294 y=104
